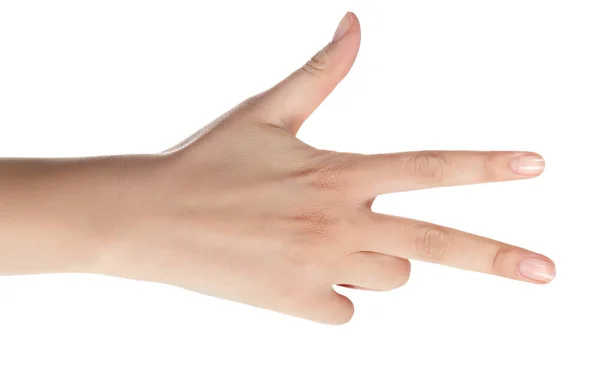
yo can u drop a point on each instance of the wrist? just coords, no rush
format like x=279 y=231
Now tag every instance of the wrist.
x=60 y=215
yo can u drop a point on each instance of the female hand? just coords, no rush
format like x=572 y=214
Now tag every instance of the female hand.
x=245 y=211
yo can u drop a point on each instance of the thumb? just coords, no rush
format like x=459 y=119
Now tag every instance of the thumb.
x=289 y=103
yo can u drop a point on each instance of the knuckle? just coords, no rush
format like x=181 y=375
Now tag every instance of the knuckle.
x=328 y=173
x=427 y=166
x=317 y=225
x=317 y=65
x=330 y=176
x=398 y=275
x=497 y=264
x=343 y=313
x=489 y=169
x=432 y=243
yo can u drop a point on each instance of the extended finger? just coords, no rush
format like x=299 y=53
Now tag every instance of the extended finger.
x=397 y=172
x=418 y=240
x=294 y=99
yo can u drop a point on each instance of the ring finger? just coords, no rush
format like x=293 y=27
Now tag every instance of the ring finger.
x=374 y=271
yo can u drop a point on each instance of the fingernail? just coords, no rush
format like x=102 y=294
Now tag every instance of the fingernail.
x=528 y=165
x=343 y=27
x=537 y=269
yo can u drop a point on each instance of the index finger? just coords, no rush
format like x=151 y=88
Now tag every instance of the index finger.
x=398 y=172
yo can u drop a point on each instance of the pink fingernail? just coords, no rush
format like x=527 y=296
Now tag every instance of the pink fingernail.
x=537 y=269
x=343 y=27
x=528 y=165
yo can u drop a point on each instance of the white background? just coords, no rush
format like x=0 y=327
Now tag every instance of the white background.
x=84 y=78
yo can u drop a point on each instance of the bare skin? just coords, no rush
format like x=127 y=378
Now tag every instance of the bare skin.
x=245 y=211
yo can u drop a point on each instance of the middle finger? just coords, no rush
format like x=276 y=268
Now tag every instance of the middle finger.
x=418 y=240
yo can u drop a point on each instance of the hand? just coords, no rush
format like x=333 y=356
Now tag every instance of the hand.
x=245 y=211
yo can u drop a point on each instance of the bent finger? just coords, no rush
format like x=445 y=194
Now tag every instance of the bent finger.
x=374 y=271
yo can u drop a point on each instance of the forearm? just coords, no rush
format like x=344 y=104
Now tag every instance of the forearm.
x=56 y=215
